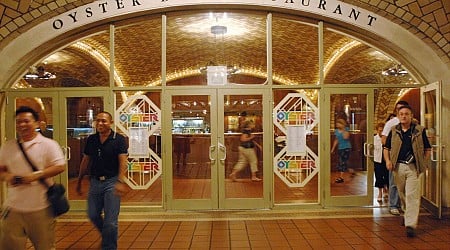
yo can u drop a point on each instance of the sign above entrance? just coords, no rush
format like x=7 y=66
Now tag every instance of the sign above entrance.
x=110 y=8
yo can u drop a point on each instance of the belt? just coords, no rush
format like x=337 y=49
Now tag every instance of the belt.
x=102 y=178
x=405 y=162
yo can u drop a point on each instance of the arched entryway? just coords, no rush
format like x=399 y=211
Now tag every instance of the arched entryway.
x=154 y=53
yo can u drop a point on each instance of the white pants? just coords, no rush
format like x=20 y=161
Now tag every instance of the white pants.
x=408 y=185
x=247 y=156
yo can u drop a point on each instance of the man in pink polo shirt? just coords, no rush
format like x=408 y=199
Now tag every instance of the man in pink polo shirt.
x=26 y=212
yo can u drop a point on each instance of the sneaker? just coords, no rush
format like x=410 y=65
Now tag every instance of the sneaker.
x=339 y=180
x=394 y=211
x=352 y=172
x=410 y=232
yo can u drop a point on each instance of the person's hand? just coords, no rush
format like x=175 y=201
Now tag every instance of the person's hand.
x=35 y=176
x=389 y=165
x=121 y=188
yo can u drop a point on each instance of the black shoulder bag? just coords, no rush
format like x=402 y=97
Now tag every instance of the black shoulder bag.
x=55 y=194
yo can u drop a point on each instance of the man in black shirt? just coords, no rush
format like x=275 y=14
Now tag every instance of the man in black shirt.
x=106 y=154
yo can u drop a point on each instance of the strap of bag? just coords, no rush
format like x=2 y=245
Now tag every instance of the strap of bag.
x=31 y=164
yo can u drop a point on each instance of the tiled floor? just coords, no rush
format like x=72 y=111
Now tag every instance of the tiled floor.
x=362 y=228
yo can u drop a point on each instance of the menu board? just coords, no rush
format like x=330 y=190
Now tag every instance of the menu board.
x=139 y=142
x=296 y=140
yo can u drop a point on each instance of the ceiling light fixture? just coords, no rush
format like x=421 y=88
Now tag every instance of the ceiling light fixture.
x=396 y=70
x=39 y=73
x=223 y=69
x=218 y=29
x=231 y=70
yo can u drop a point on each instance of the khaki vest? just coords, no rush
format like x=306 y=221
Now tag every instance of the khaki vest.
x=417 y=145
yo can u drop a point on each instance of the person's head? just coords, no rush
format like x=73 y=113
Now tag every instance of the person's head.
x=379 y=128
x=405 y=114
x=247 y=127
x=103 y=122
x=399 y=104
x=26 y=122
x=42 y=125
x=341 y=123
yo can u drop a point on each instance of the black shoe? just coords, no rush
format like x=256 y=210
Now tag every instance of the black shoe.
x=410 y=232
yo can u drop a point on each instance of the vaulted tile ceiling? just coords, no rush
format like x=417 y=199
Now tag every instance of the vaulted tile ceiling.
x=138 y=53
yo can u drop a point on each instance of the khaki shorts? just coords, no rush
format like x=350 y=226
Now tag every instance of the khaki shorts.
x=16 y=227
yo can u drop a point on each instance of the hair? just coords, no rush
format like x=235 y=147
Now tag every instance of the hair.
x=26 y=109
x=379 y=125
x=402 y=102
x=106 y=112
x=342 y=121
x=247 y=124
x=405 y=107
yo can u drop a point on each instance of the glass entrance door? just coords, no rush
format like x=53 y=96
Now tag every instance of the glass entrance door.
x=67 y=117
x=45 y=104
x=349 y=179
x=430 y=99
x=211 y=168
x=78 y=111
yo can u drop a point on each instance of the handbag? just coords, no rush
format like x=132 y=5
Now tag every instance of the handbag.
x=55 y=193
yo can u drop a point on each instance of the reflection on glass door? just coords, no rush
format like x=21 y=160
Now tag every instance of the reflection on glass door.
x=243 y=132
x=216 y=164
x=80 y=117
x=351 y=121
x=191 y=144
x=431 y=112
x=44 y=107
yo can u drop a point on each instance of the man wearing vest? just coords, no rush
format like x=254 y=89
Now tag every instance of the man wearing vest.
x=407 y=151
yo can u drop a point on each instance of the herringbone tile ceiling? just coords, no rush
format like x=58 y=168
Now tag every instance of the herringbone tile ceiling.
x=191 y=45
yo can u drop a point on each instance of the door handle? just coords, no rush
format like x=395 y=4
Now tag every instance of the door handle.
x=66 y=152
x=69 y=153
x=222 y=147
x=211 y=149
x=443 y=155
x=433 y=158
x=366 y=149
x=433 y=151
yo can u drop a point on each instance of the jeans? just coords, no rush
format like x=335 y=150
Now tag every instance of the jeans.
x=344 y=154
x=102 y=197
x=393 y=192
